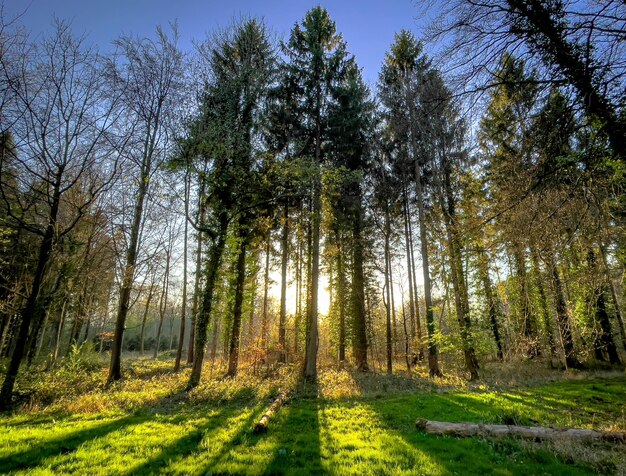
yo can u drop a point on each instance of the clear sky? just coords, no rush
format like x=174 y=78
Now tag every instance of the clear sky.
x=368 y=26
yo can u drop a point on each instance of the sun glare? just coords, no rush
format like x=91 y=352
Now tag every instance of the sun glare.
x=323 y=297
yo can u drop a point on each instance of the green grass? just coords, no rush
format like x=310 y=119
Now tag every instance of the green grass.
x=209 y=432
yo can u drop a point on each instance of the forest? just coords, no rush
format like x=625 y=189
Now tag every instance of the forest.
x=244 y=259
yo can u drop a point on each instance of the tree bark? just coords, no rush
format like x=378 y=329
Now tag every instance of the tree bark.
x=433 y=359
x=358 y=287
x=618 y=313
x=30 y=308
x=543 y=302
x=203 y=317
x=183 y=312
x=310 y=364
x=526 y=432
x=233 y=354
x=389 y=339
x=261 y=426
x=59 y=333
x=266 y=287
x=418 y=321
x=197 y=289
x=456 y=270
x=115 y=368
x=492 y=309
x=563 y=320
x=605 y=339
x=298 y=318
x=163 y=302
x=145 y=318
x=282 y=321
x=409 y=263
x=528 y=328
x=341 y=298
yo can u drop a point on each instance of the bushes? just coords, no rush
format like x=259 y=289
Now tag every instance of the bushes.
x=83 y=357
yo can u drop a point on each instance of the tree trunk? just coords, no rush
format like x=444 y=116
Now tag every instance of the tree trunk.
x=528 y=328
x=197 y=283
x=406 y=338
x=310 y=364
x=341 y=298
x=605 y=340
x=38 y=324
x=183 y=312
x=358 y=287
x=233 y=354
x=534 y=433
x=492 y=306
x=461 y=297
x=214 y=340
x=409 y=264
x=266 y=287
x=87 y=326
x=144 y=318
x=389 y=340
x=433 y=359
x=543 y=301
x=59 y=333
x=282 y=321
x=387 y=302
x=563 y=320
x=30 y=308
x=163 y=302
x=418 y=321
x=618 y=313
x=298 y=318
x=202 y=319
x=115 y=368
x=392 y=298
x=261 y=426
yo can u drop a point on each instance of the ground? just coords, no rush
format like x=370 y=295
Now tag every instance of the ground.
x=346 y=423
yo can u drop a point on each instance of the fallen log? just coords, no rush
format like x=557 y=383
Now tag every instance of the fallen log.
x=536 y=433
x=261 y=426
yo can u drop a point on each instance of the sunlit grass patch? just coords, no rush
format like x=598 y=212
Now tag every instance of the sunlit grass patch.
x=346 y=423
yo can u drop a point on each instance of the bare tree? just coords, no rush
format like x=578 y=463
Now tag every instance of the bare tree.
x=60 y=113
x=150 y=72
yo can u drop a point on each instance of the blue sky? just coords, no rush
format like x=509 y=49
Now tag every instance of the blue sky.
x=368 y=26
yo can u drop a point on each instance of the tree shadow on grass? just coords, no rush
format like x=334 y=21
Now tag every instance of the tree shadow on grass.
x=296 y=434
x=65 y=444
x=68 y=443
x=240 y=438
x=13 y=421
x=186 y=445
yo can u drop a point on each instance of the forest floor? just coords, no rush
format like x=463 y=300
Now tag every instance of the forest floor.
x=346 y=423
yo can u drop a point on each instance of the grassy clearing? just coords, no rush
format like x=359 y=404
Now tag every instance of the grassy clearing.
x=348 y=423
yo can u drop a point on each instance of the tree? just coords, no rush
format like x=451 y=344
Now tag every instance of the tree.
x=351 y=125
x=61 y=114
x=316 y=55
x=404 y=75
x=449 y=144
x=507 y=139
x=150 y=77
x=241 y=65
